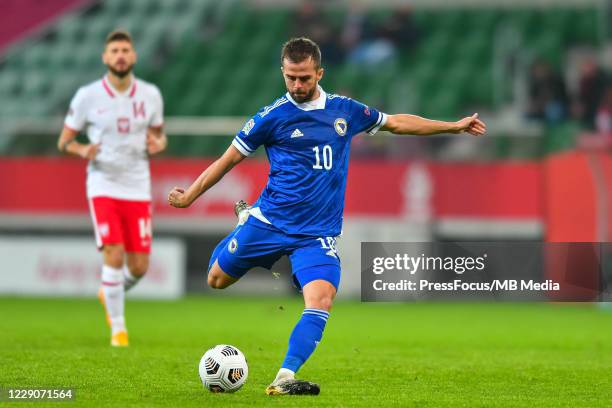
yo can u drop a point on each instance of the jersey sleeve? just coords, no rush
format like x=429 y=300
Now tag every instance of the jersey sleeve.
x=365 y=119
x=256 y=131
x=76 y=118
x=157 y=118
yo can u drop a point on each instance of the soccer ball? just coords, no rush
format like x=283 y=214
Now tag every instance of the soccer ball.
x=223 y=368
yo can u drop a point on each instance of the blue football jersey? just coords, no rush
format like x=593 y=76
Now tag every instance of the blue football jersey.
x=308 y=148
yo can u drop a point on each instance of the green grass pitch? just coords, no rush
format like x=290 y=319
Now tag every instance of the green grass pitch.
x=372 y=355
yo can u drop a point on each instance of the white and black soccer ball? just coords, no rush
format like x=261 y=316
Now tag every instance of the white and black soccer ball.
x=223 y=368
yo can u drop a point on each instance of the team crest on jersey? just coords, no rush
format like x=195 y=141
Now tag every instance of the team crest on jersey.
x=340 y=126
x=248 y=126
x=232 y=246
x=123 y=125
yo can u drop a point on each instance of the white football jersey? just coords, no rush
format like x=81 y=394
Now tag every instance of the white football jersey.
x=119 y=123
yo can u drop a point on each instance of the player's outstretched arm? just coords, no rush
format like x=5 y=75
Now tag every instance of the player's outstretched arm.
x=183 y=198
x=67 y=144
x=404 y=124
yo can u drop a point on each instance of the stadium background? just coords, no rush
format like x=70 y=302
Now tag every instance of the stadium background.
x=536 y=71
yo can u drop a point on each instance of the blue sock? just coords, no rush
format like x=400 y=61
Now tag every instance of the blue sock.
x=305 y=337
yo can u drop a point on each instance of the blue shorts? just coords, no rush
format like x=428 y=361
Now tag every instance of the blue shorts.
x=256 y=243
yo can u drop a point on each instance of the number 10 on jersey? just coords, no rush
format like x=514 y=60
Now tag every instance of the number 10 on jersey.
x=327 y=158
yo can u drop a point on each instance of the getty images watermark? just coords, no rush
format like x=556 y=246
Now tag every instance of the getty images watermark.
x=511 y=271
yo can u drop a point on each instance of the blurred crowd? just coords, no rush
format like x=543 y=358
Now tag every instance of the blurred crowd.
x=551 y=102
x=354 y=38
x=554 y=100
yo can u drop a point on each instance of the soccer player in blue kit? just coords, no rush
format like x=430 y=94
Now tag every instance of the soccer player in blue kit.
x=307 y=135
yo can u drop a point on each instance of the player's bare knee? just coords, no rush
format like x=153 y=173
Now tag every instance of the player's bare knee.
x=326 y=303
x=319 y=294
x=218 y=279
x=321 y=303
x=216 y=282
x=212 y=281
x=139 y=268
x=321 y=300
x=113 y=255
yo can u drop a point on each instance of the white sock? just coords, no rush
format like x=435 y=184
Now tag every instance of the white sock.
x=118 y=325
x=129 y=280
x=284 y=374
x=114 y=296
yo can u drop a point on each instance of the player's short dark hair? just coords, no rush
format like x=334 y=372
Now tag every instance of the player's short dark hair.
x=118 y=35
x=300 y=49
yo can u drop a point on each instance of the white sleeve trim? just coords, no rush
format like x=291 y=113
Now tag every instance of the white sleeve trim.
x=382 y=121
x=74 y=122
x=72 y=126
x=76 y=118
x=238 y=146
x=244 y=145
x=156 y=123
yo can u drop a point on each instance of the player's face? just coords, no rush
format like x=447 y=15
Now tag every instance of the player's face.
x=301 y=79
x=119 y=57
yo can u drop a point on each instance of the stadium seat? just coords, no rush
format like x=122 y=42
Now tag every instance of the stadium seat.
x=10 y=84
x=36 y=57
x=69 y=29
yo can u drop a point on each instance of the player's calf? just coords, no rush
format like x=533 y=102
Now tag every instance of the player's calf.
x=319 y=294
x=305 y=337
x=303 y=340
x=136 y=268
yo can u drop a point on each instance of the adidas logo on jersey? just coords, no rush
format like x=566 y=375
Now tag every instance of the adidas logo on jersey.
x=296 y=133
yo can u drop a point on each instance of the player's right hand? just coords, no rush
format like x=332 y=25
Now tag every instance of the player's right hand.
x=471 y=125
x=89 y=151
x=177 y=198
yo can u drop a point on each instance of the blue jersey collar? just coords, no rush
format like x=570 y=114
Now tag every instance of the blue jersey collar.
x=318 y=103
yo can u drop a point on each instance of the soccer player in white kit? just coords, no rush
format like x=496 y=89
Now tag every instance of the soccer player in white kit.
x=123 y=118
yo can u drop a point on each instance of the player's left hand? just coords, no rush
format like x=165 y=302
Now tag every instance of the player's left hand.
x=177 y=198
x=471 y=125
x=156 y=142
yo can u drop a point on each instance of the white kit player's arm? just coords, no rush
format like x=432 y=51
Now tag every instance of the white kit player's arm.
x=76 y=120
x=156 y=140
x=67 y=144
x=404 y=124
x=181 y=198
